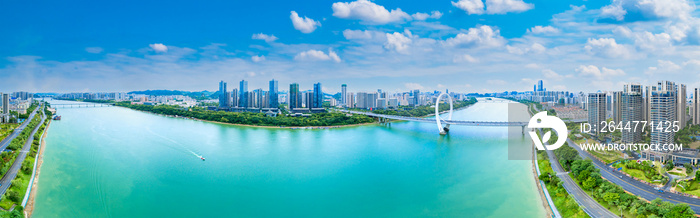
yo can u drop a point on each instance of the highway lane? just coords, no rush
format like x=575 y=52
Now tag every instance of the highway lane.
x=635 y=187
x=5 y=142
x=14 y=169
x=588 y=204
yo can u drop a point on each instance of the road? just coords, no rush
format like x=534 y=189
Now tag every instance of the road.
x=590 y=206
x=14 y=169
x=5 y=142
x=636 y=187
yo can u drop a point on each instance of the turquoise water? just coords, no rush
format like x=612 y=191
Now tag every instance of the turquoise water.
x=116 y=162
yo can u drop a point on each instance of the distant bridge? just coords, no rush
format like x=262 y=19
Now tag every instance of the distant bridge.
x=432 y=120
x=82 y=105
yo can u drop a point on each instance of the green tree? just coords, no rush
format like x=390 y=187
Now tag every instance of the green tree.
x=611 y=197
x=669 y=165
x=688 y=168
x=590 y=183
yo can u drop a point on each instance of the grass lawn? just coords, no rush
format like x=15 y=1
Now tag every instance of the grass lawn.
x=694 y=145
x=677 y=174
x=693 y=188
x=607 y=156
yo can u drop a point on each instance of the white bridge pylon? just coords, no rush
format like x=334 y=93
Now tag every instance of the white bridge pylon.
x=443 y=129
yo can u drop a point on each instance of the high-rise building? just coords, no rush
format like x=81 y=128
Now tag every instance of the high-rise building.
x=350 y=100
x=274 y=94
x=632 y=111
x=596 y=110
x=259 y=99
x=343 y=94
x=540 y=86
x=309 y=98
x=696 y=107
x=647 y=103
x=681 y=114
x=294 y=96
x=223 y=95
x=243 y=93
x=234 y=98
x=416 y=98
x=616 y=106
x=318 y=96
x=663 y=111
x=5 y=103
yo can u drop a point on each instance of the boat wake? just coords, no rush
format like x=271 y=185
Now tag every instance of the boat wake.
x=179 y=146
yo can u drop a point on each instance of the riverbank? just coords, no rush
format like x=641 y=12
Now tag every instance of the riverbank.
x=29 y=207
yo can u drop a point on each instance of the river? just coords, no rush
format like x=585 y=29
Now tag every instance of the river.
x=117 y=162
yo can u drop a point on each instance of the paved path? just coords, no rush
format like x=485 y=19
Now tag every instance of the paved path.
x=590 y=206
x=14 y=169
x=5 y=142
x=635 y=187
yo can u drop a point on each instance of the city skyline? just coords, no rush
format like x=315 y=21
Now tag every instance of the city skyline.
x=578 y=46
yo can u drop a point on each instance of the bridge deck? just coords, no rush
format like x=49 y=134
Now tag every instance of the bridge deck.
x=432 y=120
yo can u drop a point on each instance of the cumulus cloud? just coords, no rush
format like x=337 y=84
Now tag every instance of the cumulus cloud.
x=398 y=42
x=493 y=6
x=316 y=55
x=635 y=10
x=94 y=50
x=550 y=74
x=305 y=24
x=158 y=47
x=464 y=58
x=535 y=48
x=362 y=34
x=477 y=37
x=258 y=58
x=265 y=37
x=543 y=30
x=606 y=47
x=413 y=86
x=600 y=74
x=368 y=12
x=424 y=16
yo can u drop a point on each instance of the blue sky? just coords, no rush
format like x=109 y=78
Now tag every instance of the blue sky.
x=461 y=45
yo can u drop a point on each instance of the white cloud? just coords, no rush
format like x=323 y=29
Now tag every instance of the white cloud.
x=368 y=12
x=600 y=74
x=159 y=47
x=505 y=6
x=476 y=37
x=664 y=66
x=550 y=74
x=606 y=47
x=496 y=82
x=94 y=50
x=258 y=58
x=316 y=55
x=413 y=86
x=398 y=42
x=543 y=30
x=424 y=16
x=532 y=66
x=648 y=9
x=464 y=58
x=535 y=48
x=363 y=34
x=493 y=6
x=613 y=11
x=305 y=24
x=265 y=37
x=470 y=6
